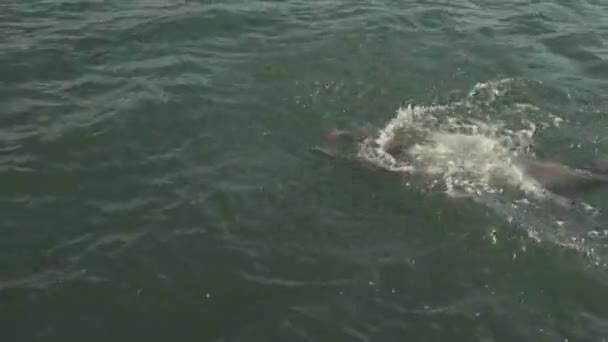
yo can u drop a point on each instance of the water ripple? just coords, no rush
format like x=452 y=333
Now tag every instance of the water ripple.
x=154 y=157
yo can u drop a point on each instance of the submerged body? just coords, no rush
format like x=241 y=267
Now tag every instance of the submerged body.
x=554 y=177
x=563 y=179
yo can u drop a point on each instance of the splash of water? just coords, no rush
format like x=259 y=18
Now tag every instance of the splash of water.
x=462 y=143
x=474 y=148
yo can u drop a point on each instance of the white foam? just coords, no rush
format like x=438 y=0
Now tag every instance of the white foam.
x=469 y=154
x=468 y=148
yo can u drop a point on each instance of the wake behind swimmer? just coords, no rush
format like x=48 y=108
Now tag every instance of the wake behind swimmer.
x=482 y=148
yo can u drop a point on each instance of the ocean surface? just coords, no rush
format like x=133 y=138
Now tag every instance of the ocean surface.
x=164 y=176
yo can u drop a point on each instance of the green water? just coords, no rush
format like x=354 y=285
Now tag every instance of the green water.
x=158 y=180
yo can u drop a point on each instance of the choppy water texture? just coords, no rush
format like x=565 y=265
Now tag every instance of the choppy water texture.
x=159 y=180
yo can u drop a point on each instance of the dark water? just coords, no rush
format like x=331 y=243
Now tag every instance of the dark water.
x=157 y=181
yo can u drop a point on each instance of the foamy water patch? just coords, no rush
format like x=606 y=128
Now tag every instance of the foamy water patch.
x=468 y=155
x=470 y=148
